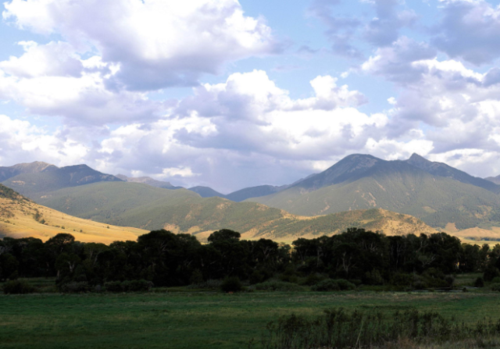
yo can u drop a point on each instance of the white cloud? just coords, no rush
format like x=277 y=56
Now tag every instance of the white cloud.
x=469 y=30
x=155 y=43
x=20 y=141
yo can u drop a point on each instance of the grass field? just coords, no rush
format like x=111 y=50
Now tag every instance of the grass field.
x=183 y=319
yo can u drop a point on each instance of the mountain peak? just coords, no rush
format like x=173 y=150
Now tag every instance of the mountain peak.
x=415 y=157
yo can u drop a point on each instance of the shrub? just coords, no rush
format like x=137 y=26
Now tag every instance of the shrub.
x=402 y=279
x=210 y=284
x=274 y=285
x=313 y=279
x=334 y=285
x=196 y=277
x=231 y=284
x=479 y=282
x=373 y=278
x=113 y=286
x=75 y=287
x=137 y=285
x=490 y=273
x=18 y=287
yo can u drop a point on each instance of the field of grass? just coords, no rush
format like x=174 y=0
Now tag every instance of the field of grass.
x=179 y=318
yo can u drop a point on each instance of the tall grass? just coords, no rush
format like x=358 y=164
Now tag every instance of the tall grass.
x=339 y=328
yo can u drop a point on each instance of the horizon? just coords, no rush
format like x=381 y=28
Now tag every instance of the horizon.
x=118 y=175
x=232 y=94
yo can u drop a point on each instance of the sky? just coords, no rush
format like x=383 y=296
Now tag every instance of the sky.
x=231 y=94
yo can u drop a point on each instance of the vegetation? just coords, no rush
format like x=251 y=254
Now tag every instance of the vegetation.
x=355 y=258
x=182 y=211
x=47 y=178
x=21 y=217
x=338 y=328
x=365 y=182
x=183 y=319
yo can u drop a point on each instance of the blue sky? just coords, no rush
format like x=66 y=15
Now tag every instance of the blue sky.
x=231 y=94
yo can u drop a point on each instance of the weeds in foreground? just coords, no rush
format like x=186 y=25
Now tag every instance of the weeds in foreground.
x=339 y=328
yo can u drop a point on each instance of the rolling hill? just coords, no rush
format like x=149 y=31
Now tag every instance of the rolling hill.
x=363 y=182
x=21 y=217
x=183 y=211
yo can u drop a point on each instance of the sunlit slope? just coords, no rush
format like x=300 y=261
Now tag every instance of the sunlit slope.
x=20 y=217
x=436 y=200
x=183 y=211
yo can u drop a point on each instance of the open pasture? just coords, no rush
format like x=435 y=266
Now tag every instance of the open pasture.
x=183 y=319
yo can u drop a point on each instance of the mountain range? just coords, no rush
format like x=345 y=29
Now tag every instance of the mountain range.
x=441 y=196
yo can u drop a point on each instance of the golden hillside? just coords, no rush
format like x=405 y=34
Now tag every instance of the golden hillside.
x=20 y=217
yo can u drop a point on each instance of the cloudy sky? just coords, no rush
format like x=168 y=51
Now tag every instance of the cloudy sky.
x=230 y=93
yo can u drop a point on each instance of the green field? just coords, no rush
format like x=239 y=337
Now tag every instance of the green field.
x=183 y=319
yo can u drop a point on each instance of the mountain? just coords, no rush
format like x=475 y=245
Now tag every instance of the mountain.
x=206 y=192
x=35 y=184
x=252 y=192
x=21 y=217
x=183 y=211
x=495 y=180
x=443 y=170
x=34 y=167
x=364 y=181
x=147 y=180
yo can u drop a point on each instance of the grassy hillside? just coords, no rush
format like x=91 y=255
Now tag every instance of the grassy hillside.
x=436 y=200
x=34 y=184
x=20 y=217
x=183 y=211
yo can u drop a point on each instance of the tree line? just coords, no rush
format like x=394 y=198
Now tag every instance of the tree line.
x=168 y=259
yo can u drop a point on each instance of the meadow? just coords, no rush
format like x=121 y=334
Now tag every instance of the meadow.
x=183 y=318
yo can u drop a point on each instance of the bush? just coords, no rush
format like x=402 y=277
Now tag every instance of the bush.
x=208 y=285
x=114 y=286
x=334 y=285
x=313 y=279
x=490 y=273
x=75 y=287
x=18 y=287
x=231 y=284
x=137 y=285
x=196 y=277
x=479 y=282
x=274 y=285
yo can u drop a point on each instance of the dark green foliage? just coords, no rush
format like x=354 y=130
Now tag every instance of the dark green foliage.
x=18 y=287
x=334 y=285
x=231 y=284
x=164 y=259
x=114 y=286
x=339 y=328
x=137 y=285
x=479 y=282
x=75 y=287
x=490 y=273
x=275 y=285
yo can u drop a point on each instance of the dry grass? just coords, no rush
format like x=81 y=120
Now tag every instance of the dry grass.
x=17 y=220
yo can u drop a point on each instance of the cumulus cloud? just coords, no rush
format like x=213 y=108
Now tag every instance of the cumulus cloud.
x=53 y=59
x=78 y=100
x=469 y=30
x=20 y=141
x=340 y=30
x=458 y=105
x=384 y=28
x=154 y=43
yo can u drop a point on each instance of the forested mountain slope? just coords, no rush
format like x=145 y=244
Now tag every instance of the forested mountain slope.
x=363 y=182
x=181 y=210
